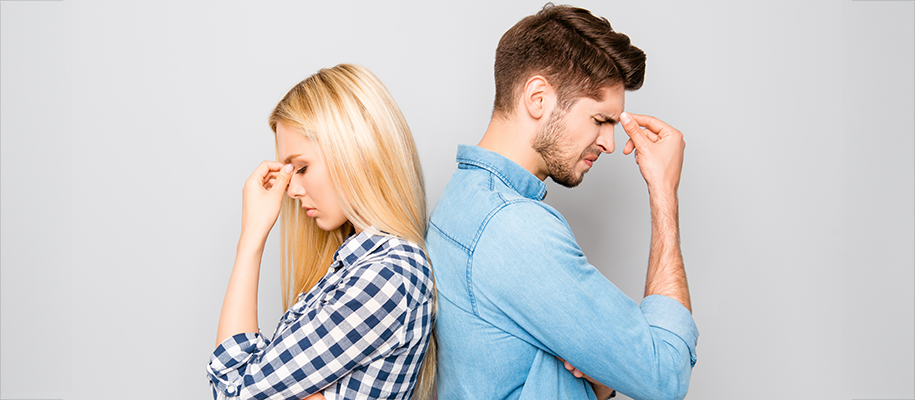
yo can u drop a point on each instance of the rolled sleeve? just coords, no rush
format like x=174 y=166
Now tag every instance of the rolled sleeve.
x=357 y=322
x=228 y=362
x=667 y=314
x=544 y=290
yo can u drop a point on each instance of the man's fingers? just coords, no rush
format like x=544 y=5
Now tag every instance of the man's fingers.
x=575 y=372
x=653 y=125
x=629 y=147
x=631 y=126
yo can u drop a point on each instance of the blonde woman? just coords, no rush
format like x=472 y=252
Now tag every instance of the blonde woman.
x=357 y=285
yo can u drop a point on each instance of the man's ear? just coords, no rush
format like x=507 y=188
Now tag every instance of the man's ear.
x=537 y=97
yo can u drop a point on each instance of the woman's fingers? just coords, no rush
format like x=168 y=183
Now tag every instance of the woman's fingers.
x=267 y=172
x=282 y=179
x=266 y=167
x=262 y=196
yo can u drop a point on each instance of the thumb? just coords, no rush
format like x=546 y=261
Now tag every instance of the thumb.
x=632 y=129
x=282 y=179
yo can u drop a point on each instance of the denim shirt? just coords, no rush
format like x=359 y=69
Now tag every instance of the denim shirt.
x=515 y=292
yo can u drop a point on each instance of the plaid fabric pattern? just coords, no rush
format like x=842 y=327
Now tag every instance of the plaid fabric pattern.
x=360 y=333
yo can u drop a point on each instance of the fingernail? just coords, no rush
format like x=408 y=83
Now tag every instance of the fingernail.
x=287 y=168
x=625 y=118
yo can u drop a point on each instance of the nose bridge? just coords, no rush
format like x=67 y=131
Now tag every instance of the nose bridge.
x=605 y=138
x=295 y=188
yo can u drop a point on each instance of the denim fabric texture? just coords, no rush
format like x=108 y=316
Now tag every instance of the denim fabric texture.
x=515 y=292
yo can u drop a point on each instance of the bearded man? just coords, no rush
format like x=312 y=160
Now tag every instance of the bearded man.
x=521 y=312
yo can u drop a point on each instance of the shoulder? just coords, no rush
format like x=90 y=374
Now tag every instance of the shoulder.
x=524 y=222
x=465 y=218
x=527 y=237
x=396 y=262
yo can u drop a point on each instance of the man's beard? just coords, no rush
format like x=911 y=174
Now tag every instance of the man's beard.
x=557 y=157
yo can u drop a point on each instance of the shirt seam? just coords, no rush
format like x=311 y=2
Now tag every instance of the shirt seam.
x=492 y=170
x=449 y=237
x=469 y=269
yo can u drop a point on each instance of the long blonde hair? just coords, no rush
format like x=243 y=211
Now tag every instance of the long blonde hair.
x=372 y=163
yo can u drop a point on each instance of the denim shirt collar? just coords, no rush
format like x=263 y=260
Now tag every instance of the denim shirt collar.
x=508 y=171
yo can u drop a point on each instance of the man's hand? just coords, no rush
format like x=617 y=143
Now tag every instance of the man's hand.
x=658 y=150
x=659 y=153
x=601 y=391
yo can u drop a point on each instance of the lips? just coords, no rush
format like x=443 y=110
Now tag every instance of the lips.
x=310 y=212
x=590 y=155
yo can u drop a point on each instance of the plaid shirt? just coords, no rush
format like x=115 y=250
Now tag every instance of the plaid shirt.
x=360 y=332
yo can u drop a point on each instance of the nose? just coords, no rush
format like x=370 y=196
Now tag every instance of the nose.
x=295 y=189
x=605 y=138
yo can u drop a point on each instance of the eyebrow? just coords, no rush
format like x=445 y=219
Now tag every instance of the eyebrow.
x=288 y=160
x=608 y=118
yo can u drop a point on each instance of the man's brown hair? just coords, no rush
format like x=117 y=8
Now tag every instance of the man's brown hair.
x=577 y=52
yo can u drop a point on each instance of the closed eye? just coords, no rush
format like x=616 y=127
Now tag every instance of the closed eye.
x=605 y=120
x=301 y=170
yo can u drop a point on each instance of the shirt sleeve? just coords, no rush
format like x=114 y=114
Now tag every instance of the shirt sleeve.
x=544 y=291
x=355 y=323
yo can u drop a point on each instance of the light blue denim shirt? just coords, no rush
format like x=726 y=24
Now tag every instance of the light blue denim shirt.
x=515 y=291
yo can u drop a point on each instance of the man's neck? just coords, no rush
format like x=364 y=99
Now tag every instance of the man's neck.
x=512 y=139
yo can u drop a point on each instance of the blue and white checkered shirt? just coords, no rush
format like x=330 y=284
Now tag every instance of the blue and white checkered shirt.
x=361 y=332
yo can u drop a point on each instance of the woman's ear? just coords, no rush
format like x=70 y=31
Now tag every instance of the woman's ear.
x=538 y=97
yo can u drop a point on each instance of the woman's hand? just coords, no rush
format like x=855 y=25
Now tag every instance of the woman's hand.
x=601 y=391
x=262 y=196
x=316 y=396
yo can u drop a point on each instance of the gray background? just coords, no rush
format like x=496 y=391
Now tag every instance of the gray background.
x=128 y=129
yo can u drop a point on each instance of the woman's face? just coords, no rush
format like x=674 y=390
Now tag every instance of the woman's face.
x=310 y=184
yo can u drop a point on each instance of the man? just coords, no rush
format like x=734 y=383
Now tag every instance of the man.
x=521 y=313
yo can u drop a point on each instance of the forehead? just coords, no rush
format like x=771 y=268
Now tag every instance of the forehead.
x=292 y=143
x=611 y=104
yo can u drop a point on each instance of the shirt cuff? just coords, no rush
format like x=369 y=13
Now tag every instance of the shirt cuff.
x=668 y=314
x=230 y=359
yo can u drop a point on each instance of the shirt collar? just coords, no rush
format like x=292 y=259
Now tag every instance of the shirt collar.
x=357 y=246
x=508 y=171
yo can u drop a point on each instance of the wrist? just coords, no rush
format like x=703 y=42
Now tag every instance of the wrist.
x=250 y=245
x=663 y=200
x=663 y=191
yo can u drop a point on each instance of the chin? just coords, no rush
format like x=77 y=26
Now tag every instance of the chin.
x=322 y=225
x=327 y=227
x=569 y=183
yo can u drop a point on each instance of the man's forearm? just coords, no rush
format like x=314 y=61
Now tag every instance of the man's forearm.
x=666 y=275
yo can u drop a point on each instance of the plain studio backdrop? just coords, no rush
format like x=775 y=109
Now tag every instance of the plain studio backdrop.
x=128 y=129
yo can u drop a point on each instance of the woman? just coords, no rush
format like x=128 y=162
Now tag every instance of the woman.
x=355 y=203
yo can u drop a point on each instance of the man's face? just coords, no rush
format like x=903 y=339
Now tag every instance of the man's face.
x=572 y=139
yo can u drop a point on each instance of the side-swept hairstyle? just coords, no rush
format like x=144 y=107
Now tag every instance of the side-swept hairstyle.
x=577 y=52
x=372 y=164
